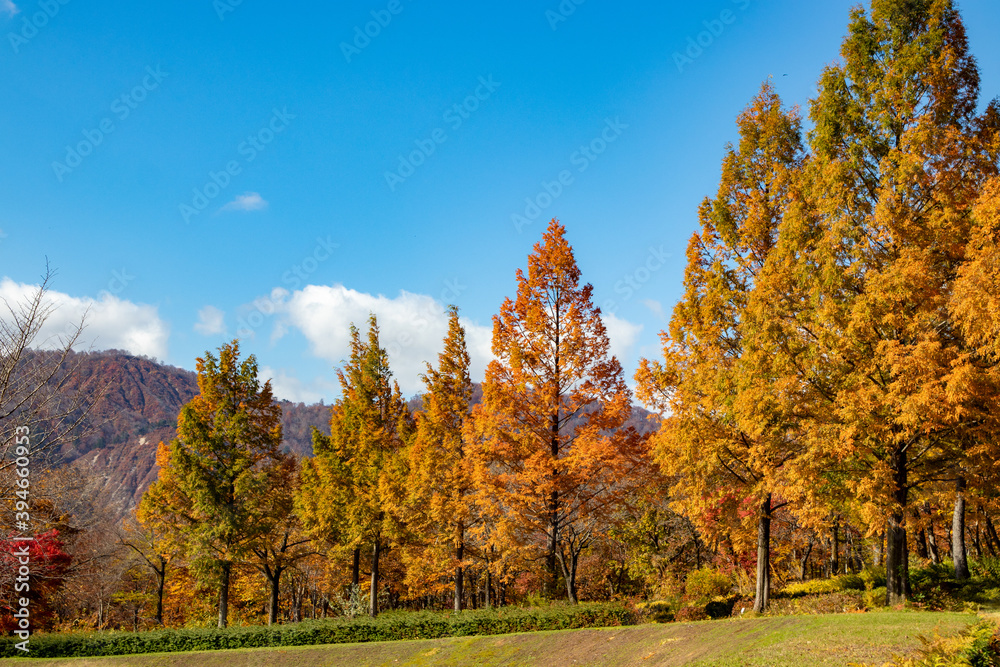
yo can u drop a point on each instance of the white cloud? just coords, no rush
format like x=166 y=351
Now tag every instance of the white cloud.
x=411 y=328
x=622 y=336
x=290 y=388
x=248 y=201
x=8 y=7
x=110 y=323
x=211 y=321
x=655 y=307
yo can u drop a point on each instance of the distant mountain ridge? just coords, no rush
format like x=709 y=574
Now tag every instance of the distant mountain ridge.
x=139 y=407
x=137 y=410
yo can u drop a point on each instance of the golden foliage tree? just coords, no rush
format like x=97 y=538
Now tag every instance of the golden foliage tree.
x=857 y=291
x=718 y=457
x=354 y=485
x=440 y=482
x=552 y=458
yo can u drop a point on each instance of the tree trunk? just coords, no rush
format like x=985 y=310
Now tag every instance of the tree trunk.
x=835 y=549
x=569 y=574
x=991 y=533
x=272 y=608
x=922 y=544
x=763 y=592
x=805 y=559
x=459 y=579
x=554 y=453
x=161 y=580
x=489 y=583
x=374 y=591
x=958 y=552
x=224 y=594
x=932 y=547
x=299 y=595
x=976 y=543
x=897 y=569
x=896 y=566
x=356 y=569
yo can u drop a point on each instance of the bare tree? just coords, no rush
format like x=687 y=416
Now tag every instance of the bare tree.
x=36 y=379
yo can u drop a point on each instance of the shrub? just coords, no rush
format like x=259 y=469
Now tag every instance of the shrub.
x=389 y=626
x=692 y=614
x=704 y=584
x=931 y=575
x=874 y=577
x=826 y=603
x=657 y=611
x=975 y=647
x=875 y=597
x=844 y=582
x=721 y=608
x=986 y=568
x=937 y=598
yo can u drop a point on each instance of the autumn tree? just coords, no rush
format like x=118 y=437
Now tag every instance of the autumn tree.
x=858 y=287
x=440 y=481
x=148 y=546
x=49 y=566
x=286 y=543
x=553 y=459
x=355 y=483
x=719 y=456
x=216 y=492
x=37 y=381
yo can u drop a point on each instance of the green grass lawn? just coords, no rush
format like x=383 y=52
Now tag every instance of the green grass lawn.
x=799 y=641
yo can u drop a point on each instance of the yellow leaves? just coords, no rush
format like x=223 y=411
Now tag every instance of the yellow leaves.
x=975 y=302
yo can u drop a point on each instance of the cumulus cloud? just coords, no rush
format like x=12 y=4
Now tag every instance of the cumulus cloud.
x=211 y=321
x=411 y=328
x=622 y=336
x=290 y=388
x=110 y=322
x=8 y=7
x=248 y=201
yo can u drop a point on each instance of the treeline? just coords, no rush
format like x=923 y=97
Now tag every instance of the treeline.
x=479 y=502
x=828 y=389
x=835 y=354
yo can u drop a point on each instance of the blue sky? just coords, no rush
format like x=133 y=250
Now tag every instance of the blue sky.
x=200 y=170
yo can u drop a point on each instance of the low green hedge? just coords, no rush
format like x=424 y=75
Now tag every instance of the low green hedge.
x=388 y=627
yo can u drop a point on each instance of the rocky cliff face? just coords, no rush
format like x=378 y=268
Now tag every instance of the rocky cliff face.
x=136 y=407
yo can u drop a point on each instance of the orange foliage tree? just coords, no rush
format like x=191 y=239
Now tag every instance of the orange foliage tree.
x=553 y=461
x=354 y=486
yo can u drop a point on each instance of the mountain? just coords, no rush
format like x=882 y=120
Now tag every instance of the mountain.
x=137 y=403
x=136 y=407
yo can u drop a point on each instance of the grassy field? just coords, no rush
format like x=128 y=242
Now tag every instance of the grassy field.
x=794 y=641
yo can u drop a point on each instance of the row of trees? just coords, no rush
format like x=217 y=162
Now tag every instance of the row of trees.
x=828 y=391
x=535 y=472
x=835 y=351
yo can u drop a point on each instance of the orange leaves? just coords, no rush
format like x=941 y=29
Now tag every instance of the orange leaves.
x=549 y=448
